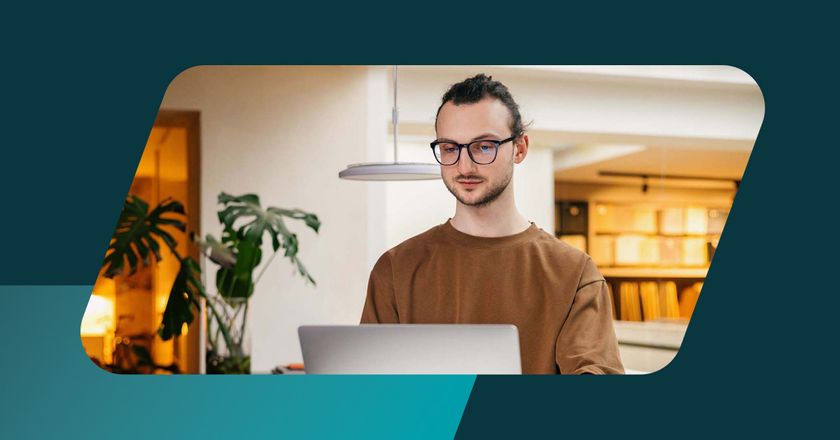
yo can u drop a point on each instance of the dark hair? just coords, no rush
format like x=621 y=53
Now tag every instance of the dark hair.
x=472 y=90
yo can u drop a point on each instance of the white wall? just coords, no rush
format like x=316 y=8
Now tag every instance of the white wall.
x=285 y=133
x=414 y=206
x=533 y=185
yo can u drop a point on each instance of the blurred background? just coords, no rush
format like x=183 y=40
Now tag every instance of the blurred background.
x=636 y=165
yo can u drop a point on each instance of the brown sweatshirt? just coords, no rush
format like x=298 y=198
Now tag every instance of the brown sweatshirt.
x=551 y=291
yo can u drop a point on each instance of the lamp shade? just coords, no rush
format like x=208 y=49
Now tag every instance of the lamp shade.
x=391 y=171
x=384 y=171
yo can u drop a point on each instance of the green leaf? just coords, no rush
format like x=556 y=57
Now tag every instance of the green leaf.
x=311 y=220
x=245 y=223
x=237 y=282
x=183 y=296
x=138 y=231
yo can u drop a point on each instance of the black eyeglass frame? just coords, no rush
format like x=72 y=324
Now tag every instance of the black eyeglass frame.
x=469 y=153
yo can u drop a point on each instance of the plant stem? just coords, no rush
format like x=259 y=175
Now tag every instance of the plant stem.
x=214 y=336
x=232 y=320
x=224 y=330
x=244 y=321
x=267 y=263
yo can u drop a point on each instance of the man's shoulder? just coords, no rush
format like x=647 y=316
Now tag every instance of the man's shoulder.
x=417 y=242
x=566 y=255
x=412 y=249
x=558 y=248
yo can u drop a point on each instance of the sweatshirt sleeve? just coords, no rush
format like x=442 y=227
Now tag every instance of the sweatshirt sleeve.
x=380 y=304
x=586 y=343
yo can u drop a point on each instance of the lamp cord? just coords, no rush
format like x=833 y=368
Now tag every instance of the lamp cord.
x=395 y=115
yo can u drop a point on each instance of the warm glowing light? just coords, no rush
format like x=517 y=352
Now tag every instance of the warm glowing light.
x=161 y=299
x=98 y=319
x=184 y=329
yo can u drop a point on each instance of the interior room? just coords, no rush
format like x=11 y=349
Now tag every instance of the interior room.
x=638 y=166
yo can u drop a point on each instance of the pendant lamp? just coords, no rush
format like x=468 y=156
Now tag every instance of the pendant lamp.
x=378 y=171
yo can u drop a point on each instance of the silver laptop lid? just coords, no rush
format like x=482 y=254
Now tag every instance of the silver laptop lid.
x=411 y=349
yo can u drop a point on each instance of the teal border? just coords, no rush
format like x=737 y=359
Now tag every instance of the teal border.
x=51 y=389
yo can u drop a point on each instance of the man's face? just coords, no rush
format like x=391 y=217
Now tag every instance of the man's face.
x=488 y=119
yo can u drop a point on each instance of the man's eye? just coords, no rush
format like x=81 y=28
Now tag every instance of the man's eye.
x=485 y=147
x=449 y=148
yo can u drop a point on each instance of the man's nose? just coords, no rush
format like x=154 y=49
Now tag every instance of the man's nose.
x=465 y=164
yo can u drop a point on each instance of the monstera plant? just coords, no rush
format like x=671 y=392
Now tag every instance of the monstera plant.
x=138 y=238
x=245 y=223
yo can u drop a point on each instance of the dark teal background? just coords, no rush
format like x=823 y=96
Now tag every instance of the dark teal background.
x=81 y=90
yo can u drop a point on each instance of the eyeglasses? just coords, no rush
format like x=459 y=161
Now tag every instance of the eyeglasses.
x=482 y=152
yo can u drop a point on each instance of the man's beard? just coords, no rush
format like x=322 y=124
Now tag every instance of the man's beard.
x=492 y=194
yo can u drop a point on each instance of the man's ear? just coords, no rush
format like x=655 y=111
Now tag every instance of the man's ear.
x=521 y=148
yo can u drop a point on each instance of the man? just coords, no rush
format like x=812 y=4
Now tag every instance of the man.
x=488 y=264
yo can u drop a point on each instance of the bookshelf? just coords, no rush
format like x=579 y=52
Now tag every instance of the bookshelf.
x=655 y=254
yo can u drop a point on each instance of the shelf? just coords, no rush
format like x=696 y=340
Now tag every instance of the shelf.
x=651 y=234
x=653 y=334
x=654 y=272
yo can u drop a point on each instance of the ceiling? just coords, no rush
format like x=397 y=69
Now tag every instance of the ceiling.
x=582 y=163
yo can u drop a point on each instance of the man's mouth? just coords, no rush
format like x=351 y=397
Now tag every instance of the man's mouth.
x=469 y=182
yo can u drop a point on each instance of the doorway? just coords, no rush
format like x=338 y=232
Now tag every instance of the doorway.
x=125 y=312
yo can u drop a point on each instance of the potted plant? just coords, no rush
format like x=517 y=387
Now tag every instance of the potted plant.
x=140 y=233
x=245 y=223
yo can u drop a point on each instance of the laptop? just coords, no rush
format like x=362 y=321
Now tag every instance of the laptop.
x=411 y=349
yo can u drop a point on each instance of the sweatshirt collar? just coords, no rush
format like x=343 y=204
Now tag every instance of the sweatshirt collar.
x=455 y=236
